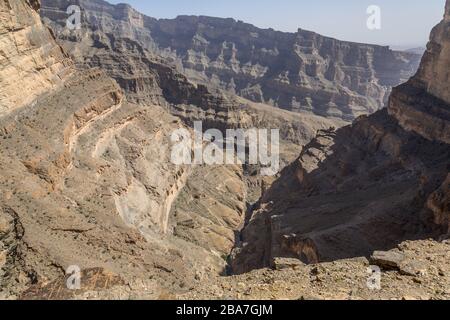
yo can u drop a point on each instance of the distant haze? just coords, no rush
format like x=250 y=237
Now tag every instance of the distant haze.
x=404 y=24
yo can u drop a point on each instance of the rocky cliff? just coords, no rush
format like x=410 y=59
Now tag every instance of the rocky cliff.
x=116 y=39
x=365 y=187
x=28 y=55
x=86 y=175
x=301 y=72
x=86 y=180
x=421 y=104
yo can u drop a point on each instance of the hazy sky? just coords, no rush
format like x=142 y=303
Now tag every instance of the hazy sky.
x=404 y=23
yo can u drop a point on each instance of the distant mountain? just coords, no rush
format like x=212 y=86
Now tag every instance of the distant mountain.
x=87 y=183
x=368 y=186
x=302 y=72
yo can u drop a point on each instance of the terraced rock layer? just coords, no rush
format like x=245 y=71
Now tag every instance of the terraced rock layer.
x=364 y=187
x=300 y=72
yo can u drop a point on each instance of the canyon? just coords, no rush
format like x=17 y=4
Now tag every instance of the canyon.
x=300 y=72
x=364 y=187
x=86 y=179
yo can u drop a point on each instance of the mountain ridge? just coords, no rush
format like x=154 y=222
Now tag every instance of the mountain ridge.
x=302 y=72
x=364 y=187
x=86 y=178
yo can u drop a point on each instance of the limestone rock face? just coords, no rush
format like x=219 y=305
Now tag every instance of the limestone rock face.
x=364 y=187
x=29 y=56
x=421 y=105
x=433 y=74
x=86 y=178
x=301 y=72
x=121 y=46
x=86 y=174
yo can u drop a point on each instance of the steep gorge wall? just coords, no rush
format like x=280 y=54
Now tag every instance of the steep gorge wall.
x=421 y=104
x=113 y=39
x=28 y=55
x=86 y=177
x=301 y=72
x=365 y=187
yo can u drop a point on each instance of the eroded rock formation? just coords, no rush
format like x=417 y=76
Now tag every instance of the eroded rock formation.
x=86 y=173
x=86 y=179
x=301 y=72
x=29 y=56
x=86 y=176
x=367 y=186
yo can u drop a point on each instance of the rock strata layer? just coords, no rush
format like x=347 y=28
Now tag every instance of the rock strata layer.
x=86 y=179
x=364 y=187
x=301 y=72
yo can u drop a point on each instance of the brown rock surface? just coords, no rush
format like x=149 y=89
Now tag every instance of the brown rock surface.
x=387 y=259
x=301 y=72
x=86 y=180
x=86 y=177
x=121 y=45
x=29 y=56
x=421 y=104
x=340 y=280
x=364 y=187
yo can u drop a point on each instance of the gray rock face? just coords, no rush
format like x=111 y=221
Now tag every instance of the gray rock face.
x=120 y=45
x=86 y=177
x=367 y=186
x=421 y=104
x=22 y=38
x=302 y=72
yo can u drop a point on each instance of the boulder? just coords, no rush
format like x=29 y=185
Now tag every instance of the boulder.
x=287 y=263
x=387 y=259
